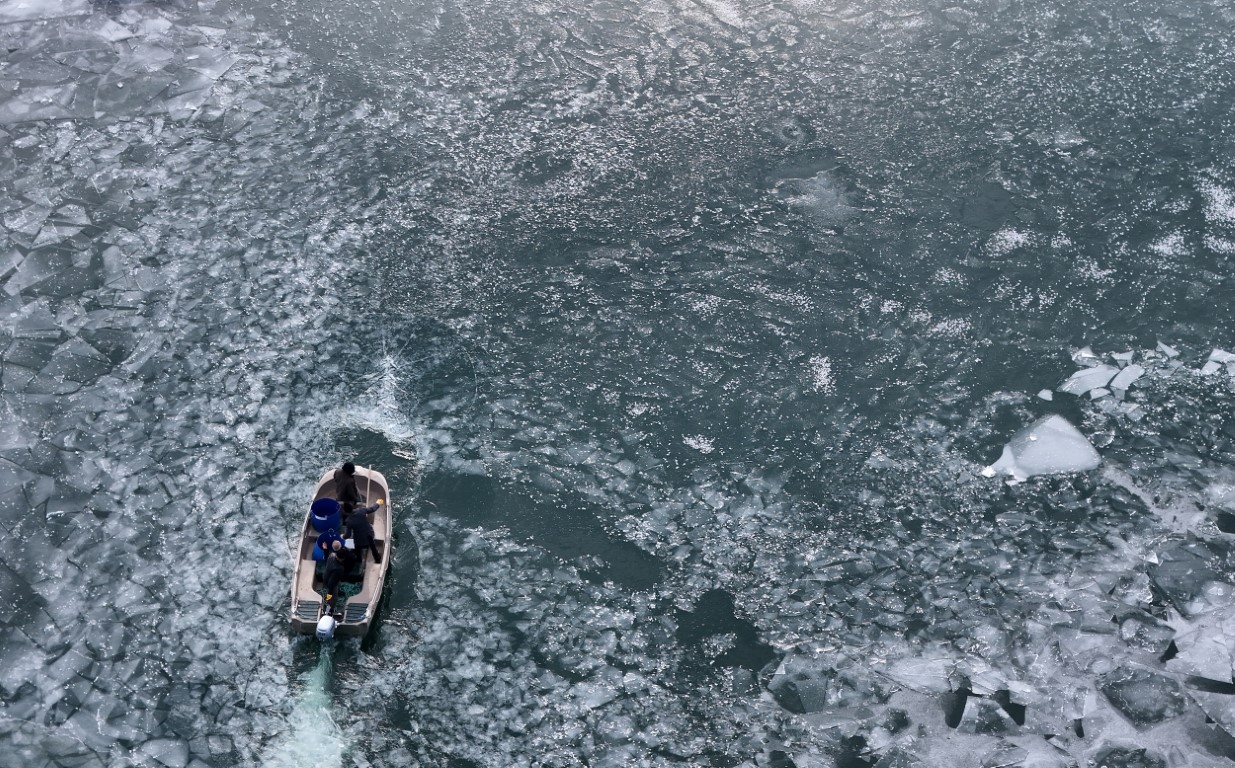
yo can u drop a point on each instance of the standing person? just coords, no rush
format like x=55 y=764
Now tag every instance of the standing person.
x=333 y=574
x=345 y=485
x=362 y=530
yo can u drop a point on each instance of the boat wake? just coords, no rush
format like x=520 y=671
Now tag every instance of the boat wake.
x=313 y=737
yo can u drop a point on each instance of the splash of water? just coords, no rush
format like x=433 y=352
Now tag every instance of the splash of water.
x=378 y=409
x=313 y=737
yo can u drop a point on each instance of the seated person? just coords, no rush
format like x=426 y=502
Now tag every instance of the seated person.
x=349 y=559
x=322 y=546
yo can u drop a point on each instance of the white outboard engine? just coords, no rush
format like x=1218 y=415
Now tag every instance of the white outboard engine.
x=325 y=627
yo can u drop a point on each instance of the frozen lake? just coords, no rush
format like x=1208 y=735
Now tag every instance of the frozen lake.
x=828 y=385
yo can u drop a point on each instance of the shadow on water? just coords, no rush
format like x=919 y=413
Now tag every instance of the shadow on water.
x=565 y=525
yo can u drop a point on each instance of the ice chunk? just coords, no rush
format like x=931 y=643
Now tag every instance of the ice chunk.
x=821 y=197
x=1049 y=446
x=1090 y=378
x=113 y=32
x=41 y=10
x=1047 y=395
x=593 y=695
x=1144 y=697
x=172 y=753
x=1129 y=757
x=800 y=685
x=48 y=102
x=926 y=673
x=1168 y=350
x=131 y=96
x=1124 y=378
x=1145 y=631
x=1182 y=572
x=1210 y=368
x=1206 y=644
x=208 y=61
x=984 y=716
x=28 y=220
x=1221 y=356
x=1084 y=356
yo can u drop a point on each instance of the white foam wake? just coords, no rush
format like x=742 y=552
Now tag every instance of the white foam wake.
x=313 y=737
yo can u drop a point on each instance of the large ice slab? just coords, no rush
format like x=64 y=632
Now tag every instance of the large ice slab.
x=1089 y=378
x=1143 y=696
x=1049 y=446
x=41 y=10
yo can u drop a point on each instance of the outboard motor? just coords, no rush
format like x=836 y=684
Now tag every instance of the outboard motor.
x=325 y=627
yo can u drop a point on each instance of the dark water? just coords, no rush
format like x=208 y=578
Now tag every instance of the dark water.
x=683 y=332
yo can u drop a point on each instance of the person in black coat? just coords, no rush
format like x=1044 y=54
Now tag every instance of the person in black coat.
x=333 y=575
x=350 y=558
x=345 y=485
x=362 y=531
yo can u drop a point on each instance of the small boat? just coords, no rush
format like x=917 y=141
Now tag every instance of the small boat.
x=344 y=615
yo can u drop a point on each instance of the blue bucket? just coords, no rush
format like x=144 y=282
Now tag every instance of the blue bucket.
x=326 y=514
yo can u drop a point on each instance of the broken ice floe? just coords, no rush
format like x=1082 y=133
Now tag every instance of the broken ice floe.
x=102 y=72
x=1089 y=378
x=1049 y=446
x=1099 y=380
x=1218 y=360
x=1144 y=696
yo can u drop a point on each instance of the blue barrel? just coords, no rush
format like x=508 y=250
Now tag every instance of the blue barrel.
x=326 y=514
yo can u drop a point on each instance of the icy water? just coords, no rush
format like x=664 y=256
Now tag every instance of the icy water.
x=685 y=333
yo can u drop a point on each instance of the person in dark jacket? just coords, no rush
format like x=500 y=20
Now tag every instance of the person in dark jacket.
x=331 y=578
x=362 y=531
x=325 y=542
x=350 y=558
x=333 y=575
x=345 y=485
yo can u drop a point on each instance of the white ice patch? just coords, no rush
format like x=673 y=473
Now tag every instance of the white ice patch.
x=1005 y=241
x=1049 y=446
x=949 y=276
x=820 y=197
x=1219 y=204
x=1170 y=245
x=1222 y=245
x=821 y=374
x=954 y=327
x=700 y=443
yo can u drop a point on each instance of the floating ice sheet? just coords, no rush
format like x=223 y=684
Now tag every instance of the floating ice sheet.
x=38 y=10
x=1049 y=446
x=1089 y=378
